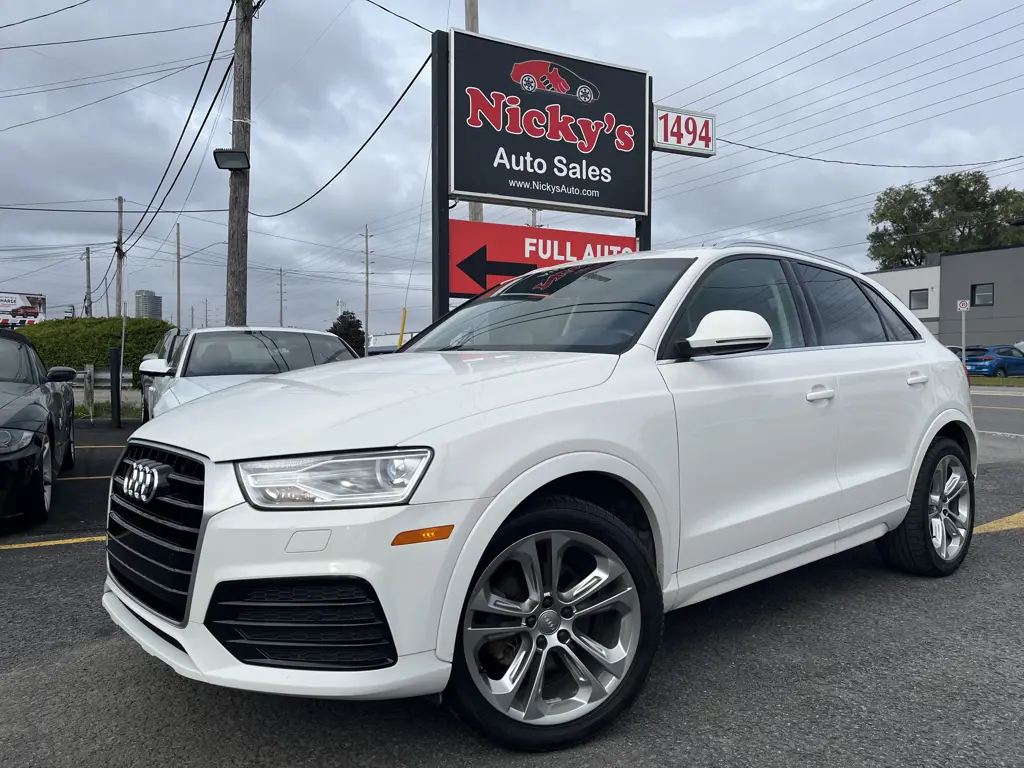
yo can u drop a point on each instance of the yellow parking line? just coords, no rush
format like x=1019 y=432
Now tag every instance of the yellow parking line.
x=998 y=407
x=90 y=477
x=53 y=542
x=1003 y=524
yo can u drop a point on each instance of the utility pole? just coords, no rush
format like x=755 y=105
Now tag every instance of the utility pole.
x=280 y=296
x=177 y=271
x=476 y=210
x=366 y=310
x=88 y=283
x=206 y=309
x=106 y=294
x=238 y=194
x=192 y=312
x=533 y=217
x=120 y=250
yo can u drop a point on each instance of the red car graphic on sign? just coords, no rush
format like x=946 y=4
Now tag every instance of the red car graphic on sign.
x=27 y=311
x=541 y=75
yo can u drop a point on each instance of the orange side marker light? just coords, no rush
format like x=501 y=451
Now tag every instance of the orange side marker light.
x=420 y=535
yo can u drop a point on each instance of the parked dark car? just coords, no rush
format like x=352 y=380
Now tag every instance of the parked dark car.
x=1000 y=361
x=37 y=428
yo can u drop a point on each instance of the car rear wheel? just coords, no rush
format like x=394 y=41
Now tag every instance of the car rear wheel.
x=1000 y=373
x=936 y=533
x=559 y=629
x=41 y=485
x=528 y=83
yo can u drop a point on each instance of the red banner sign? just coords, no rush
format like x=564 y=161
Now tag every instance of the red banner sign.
x=484 y=255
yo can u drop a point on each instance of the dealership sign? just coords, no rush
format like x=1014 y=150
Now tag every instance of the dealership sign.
x=484 y=255
x=534 y=128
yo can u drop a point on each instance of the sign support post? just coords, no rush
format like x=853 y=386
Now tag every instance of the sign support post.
x=963 y=306
x=439 y=169
x=644 y=235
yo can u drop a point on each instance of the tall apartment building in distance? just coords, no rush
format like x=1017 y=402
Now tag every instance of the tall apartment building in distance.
x=148 y=304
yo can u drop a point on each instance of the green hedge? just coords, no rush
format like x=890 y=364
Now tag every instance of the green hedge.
x=82 y=340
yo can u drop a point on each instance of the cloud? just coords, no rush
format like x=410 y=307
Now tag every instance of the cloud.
x=318 y=102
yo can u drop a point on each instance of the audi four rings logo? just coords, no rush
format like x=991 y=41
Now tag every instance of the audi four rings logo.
x=142 y=481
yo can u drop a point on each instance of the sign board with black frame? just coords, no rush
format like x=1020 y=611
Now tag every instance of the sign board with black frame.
x=534 y=128
x=521 y=126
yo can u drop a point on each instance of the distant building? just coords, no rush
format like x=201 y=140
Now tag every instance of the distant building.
x=991 y=280
x=148 y=304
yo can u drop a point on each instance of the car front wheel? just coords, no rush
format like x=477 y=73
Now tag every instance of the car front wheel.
x=41 y=485
x=560 y=627
x=936 y=533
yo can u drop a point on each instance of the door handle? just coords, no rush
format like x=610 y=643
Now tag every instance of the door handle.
x=917 y=378
x=820 y=394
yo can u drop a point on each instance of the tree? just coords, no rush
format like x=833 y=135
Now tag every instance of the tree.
x=349 y=329
x=954 y=212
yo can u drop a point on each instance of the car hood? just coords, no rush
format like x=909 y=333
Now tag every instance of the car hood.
x=367 y=403
x=189 y=388
x=11 y=391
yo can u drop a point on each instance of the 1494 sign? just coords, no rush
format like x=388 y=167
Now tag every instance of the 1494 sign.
x=531 y=127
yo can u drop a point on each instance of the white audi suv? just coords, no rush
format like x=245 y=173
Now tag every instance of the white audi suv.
x=503 y=511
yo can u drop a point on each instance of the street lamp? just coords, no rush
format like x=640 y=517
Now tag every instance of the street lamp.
x=231 y=159
x=177 y=303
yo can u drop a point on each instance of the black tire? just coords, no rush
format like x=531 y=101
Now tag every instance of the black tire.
x=551 y=513
x=38 y=510
x=68 y=462
x=908 y=548
x=1000 y=373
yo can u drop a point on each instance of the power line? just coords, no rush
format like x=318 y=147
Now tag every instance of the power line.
x=398 y=15
x=837 y=53
x=209 y=111
x=106 y=210
x=108 y=37
x=44 y=15
x=104 y=80
x=184 y=128
x=762 y=53
x=867 y=165
x=362 y=146
x=92 y=103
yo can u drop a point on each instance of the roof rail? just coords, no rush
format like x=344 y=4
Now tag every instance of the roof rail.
x=766 y=244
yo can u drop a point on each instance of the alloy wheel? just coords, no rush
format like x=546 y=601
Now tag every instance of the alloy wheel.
x=552 y=627
x=949 y=507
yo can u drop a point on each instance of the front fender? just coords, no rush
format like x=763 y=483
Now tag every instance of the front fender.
x=945 y=417
x=513 y=494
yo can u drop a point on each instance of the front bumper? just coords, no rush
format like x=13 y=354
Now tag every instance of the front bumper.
x=16 y=473
x=242 y=543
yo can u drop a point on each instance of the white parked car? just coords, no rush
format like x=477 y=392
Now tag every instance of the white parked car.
x=211 y=359
x=504 y=510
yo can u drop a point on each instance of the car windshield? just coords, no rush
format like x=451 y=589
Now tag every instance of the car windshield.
x=244 y=352
x=594 y=306
x=14 y=365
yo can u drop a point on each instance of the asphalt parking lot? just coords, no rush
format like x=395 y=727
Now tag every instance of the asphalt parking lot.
x=840 y=663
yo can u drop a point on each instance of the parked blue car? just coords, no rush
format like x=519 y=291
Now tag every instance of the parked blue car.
x=995 y=361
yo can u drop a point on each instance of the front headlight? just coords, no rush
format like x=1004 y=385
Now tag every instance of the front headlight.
x=12 y=440
x=334 y=480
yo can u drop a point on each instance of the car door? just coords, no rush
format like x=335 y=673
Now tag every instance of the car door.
x=1015 y=361
x=757 y=431
x=160 y=384
x=56 y=403
x=887 y=401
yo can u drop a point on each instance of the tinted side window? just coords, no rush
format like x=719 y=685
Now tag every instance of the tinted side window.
x=38 y=363
x=898 y=328
x=179 y=349
x=328 y=349
x=755 y=285
x=294 y=349
x=1014 y=352
x=845 y=314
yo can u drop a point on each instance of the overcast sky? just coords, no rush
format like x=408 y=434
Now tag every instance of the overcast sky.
x=326 y=71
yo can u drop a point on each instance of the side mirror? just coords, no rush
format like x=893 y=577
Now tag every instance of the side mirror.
x=730 y=331
x=150 y=356
x=61 y=373
x=156 y=367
